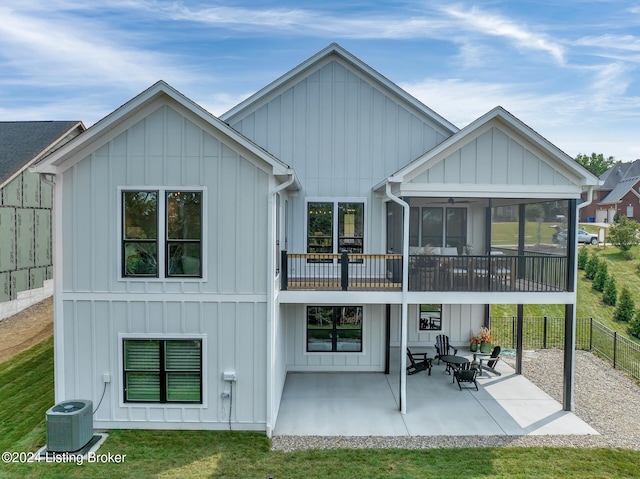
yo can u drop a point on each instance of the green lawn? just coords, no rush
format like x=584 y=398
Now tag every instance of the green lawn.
x=26 y=392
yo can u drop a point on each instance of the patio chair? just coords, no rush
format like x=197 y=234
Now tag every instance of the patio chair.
x=491 y=361
x=416 y=366
x=443 y=347
x=466 y=376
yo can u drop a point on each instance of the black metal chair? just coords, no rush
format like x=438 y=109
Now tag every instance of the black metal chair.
x=415 y=366
x=491 y=361
x=443 y=347
x=466 y=376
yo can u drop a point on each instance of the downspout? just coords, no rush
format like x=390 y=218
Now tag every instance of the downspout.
x=405 y=290
x=272 y=309
x=589 y=199
x=58 y=326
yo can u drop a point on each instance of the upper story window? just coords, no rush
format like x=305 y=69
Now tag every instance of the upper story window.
x=161 y=233
x=335 y=227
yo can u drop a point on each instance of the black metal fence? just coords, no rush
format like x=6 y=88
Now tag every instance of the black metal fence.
x=544 y=332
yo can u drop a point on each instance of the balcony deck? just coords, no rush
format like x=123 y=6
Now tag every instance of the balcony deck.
x=362 y=272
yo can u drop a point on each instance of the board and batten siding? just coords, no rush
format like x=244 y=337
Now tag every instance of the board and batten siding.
x=370 y=359
x=233 y=340
x=493 y=158
x=343 y=134
x=166 y=150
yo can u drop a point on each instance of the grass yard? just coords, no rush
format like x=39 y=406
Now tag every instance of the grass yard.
x=26 y=392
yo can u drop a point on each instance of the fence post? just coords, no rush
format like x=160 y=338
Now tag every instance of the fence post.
x=345 y=271
x=590 y=334
x=544 y=334
x=615 y=348
x=513 y=331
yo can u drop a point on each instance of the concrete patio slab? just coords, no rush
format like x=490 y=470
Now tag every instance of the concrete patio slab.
x=366 y=404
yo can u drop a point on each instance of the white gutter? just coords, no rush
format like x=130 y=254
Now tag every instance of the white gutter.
x=272 y=313
x=589 y=199
x=405 y=290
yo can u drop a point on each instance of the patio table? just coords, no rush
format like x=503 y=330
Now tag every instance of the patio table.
x=453 y=362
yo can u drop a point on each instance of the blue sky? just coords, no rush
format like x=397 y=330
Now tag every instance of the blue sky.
x=569 y=69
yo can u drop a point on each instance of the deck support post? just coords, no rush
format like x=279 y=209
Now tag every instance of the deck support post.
x=519 y=334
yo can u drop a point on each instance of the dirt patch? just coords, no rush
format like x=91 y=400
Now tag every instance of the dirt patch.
x=21 y=331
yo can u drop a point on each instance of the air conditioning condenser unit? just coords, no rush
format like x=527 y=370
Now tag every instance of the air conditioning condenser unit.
x=69 y=425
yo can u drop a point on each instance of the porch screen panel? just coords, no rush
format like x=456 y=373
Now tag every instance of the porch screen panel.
x=432 y=227
x=414 y=226
x=456 y=234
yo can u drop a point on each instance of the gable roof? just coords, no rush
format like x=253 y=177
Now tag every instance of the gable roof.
x=24 y=142
x=621 y=189
x=60 y=159
x=504 y=118
x=303 y=68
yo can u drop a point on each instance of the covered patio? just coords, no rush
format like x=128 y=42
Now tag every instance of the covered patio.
x=366 y=404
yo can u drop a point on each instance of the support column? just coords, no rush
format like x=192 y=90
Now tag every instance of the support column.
x=519 y=333
x=569 y=357
x=387 y=339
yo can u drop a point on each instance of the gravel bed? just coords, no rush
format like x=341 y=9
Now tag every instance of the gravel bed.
x=605 y=398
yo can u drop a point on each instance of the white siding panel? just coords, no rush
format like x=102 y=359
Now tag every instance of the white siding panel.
x=102 y=230
x=516 y=163
x=485 y=153
x=500 y=162
x=469 y=163
x=531 y=168
x=452 y=168
x=82 y=202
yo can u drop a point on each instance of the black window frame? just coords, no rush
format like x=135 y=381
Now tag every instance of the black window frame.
x=162 y=242
x=427 y=322
x=335 y=319
x=162 y=372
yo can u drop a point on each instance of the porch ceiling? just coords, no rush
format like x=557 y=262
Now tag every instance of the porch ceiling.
x=366 y=404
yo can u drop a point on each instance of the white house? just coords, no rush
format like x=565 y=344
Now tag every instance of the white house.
x=323 y=221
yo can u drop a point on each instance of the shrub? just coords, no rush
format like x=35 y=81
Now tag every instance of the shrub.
x=583 y=257
x=634 y=326
x=592 y=266
x=626 y=308
x=600 y=277
x=624 y=234
x=610 y=292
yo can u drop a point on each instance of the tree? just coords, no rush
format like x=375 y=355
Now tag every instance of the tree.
x=601 y=276
x=624 y=234
x=592 y=267
x=634 y=326
x=626 y=308
x=610 y=293
x=596 y=163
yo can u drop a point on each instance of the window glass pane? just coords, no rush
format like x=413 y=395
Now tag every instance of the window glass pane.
x=183 y=387
x=432 y=227
x=140 y=258
x=142 y=386
x=319 y=340
x=142 y=355
x=320 y=228
x=457 y=228
x=349 y=328
x=184 y=259
x=140 y=214
x=320 y=317
x=182 y=355
x=430 y=317
x=350 y=227
x=183 y=215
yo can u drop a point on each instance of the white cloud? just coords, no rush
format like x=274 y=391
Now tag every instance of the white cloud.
x=53 y=52
x=495 y=25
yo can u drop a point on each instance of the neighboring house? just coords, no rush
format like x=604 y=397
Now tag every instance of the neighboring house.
x=25 y=211
x=299 y=232
x=619 y=192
